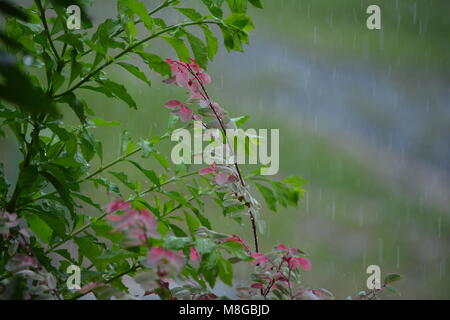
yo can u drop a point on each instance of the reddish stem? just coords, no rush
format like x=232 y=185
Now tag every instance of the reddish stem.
x=205 y=96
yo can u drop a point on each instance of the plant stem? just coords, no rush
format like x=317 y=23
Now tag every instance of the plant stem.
x=173 y=179
x=93 y=174
x=137 y=21
x=11 y=206
x=129 y=49
x=47 y=31
x=109 y=165
x=117 y=276
x=89 y=224
x=205 y=96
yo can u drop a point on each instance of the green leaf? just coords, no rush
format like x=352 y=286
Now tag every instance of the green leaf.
x=73 y=40
x=286 y=195
x=177 y=231
x=162 y=160
x=393 y=289
x=140 y=10
x=209 y=267
x=117 y=255
x=67 y=162
x=391 y=278
x=135 y=71
x=239 y=6
x=193 y=223
x=214 y=7
x=176 y=243
x=87 y=149
x=99 y=122
x=199 y=50
x=147 y=148
x=62 y=133
x=3 y=183
x=296 y=181
x=268 y=196
x=122 y=177
x=212 y=44
x=192 y=14
x=87 y=200
x=240 y=21
x=55 y=221
x=57 y=80
x=94 y=144
x=75 y=104
x=110 y=186
x=230 y=41
x=66 y=255
x=203 y=220
x=256 y=3
x=236 y=249
x=155 y=63
x=29 y=180
x=126 y=143
x=204 y=245
x=39 y=228
x=148 y=173
x=179 y=46
x=75 y=68
x=103 y=36
x=226 y=271
x=239 y=121
x=17 y=88
x=62 y=189
x=89 y=247
x=113 y=90
x=103 y=229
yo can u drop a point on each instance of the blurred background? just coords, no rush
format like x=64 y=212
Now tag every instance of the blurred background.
x=364 y=116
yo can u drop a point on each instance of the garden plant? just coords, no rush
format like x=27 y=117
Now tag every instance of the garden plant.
x=157 y=230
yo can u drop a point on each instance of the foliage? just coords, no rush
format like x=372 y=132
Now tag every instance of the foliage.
x=157 y=228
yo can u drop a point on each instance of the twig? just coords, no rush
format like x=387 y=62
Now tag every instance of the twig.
x=129 y=49
x=206 y=97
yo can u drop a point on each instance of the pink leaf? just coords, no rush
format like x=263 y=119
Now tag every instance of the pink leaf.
x=260 y=259
x=305 y=263
x=193 y=254
x=185 y=113
x=88 y=288
x=172 y=104
x=118 y=204
x=205 y=171
x=257 y=285
x=171 y=80
x=221 y=178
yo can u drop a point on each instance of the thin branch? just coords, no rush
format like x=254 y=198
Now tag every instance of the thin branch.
x=93 y=174
x=129 y=49
x=206 y=97
x=47 y=31
x=117 y=276
x=137 y=21
x=90 y=223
